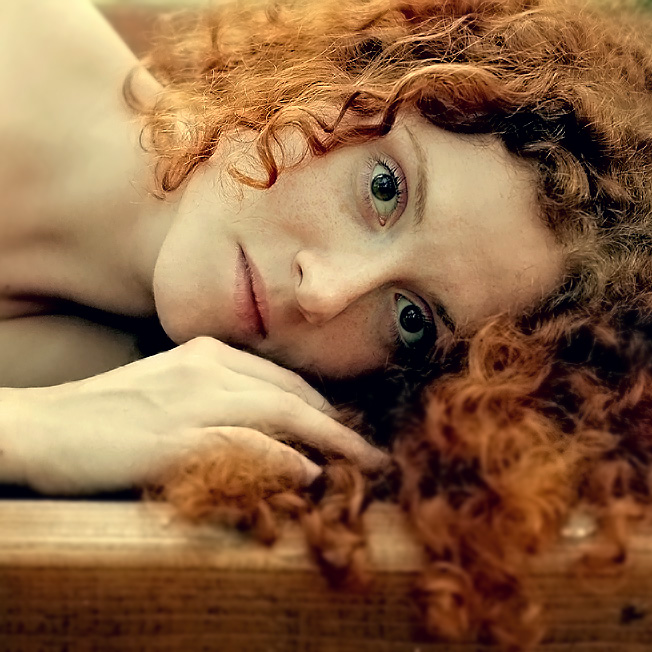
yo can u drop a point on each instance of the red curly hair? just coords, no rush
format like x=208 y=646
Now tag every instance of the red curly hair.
x=495 y=443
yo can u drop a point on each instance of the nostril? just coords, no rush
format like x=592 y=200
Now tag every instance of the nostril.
x=298 y=271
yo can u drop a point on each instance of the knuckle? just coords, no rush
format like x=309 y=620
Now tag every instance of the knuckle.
x=200 y=351
x=293 y=382
x=202 y=344
x=290 y=406
x=296 y=386
x=193 y=357
x=291 y=376
x=291 y=386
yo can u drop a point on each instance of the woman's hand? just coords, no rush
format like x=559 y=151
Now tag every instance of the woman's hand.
x=123 y=427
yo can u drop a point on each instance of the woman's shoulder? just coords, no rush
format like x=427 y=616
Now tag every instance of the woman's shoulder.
x=56 y=54
x=61 y=67
x=72 y=32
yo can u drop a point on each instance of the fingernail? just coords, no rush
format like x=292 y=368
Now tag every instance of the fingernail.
x=312 y=472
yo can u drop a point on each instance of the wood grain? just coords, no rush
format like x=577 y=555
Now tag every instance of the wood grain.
x=128 y=576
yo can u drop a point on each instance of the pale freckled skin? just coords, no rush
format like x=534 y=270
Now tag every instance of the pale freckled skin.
x=332 y=272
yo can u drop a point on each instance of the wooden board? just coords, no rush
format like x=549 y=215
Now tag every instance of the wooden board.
x=81 y=576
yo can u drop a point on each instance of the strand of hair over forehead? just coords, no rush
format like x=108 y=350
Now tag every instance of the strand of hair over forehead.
x=295 y=100
x=286 y=98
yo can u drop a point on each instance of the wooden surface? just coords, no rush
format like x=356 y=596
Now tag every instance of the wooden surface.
x=127 y=576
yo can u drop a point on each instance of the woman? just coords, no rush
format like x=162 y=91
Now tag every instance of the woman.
x=379 y=251
x=544 y=117
x=460 y=188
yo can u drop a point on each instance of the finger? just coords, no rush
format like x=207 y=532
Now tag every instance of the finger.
x=300 y=422
x=276 y=456
x=256 y=367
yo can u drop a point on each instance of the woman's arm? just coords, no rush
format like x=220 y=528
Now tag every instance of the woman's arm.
x=124 y=427
x=46 y=350
x=11 y=466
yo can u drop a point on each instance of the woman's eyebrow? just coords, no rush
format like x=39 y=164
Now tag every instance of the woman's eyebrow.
x=421 y=194
x=421 y=197
x=443 y=315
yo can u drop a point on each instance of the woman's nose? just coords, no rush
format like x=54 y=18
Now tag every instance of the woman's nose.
x=328 y=285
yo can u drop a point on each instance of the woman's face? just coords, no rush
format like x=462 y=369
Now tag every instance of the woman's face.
x=352 y=256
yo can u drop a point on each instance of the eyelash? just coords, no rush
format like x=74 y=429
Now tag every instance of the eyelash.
x=399 y=180
x=429 y=338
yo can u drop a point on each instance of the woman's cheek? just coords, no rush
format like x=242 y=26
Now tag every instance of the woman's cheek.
x=344 y=350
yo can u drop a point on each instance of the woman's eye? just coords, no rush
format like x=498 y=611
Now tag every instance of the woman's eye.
x=384 y=190
x=413 y=324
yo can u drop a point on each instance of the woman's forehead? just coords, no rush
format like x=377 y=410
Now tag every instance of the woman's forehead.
x=484 y=247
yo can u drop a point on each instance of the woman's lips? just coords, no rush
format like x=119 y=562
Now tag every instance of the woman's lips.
x=249 y=295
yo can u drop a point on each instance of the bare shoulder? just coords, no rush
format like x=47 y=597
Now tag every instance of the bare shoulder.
x=62 y=28
x=47 y=350
x=61 y=72
x=58 y=59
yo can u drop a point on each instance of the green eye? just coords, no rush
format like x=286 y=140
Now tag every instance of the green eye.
x=384 y=190
x=412 y=322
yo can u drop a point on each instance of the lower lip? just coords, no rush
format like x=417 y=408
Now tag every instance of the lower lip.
x=245 y=300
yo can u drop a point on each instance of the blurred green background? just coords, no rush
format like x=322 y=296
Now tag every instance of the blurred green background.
x=134 y=19
x=189 y=3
